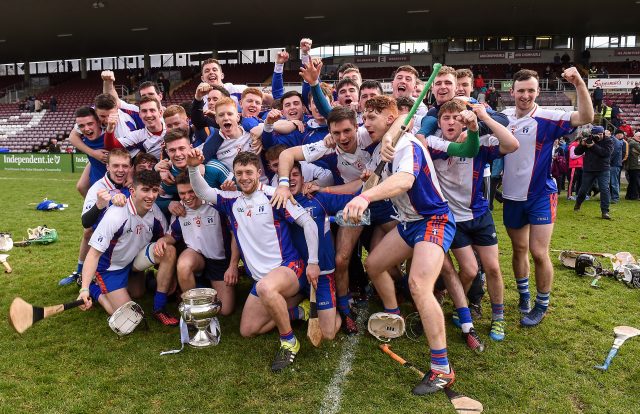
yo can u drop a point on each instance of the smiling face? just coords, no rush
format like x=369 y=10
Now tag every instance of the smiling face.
x=89 y=126
x=525 y=93
x=404 y=84
x=251 y=105
x=212 y=74
x=177 y=151
x=344 y=134
x=296 y=180
x=188 y=196
x=247 y=177
x=143 y=196
x=151 y=116
x=451 y=128
x=118 y=168
x=347 y=94
x=444 y=88
x=292 y=108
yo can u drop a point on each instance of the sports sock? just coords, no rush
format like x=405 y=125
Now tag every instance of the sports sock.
x=497 y=311
x=523 y=288
x=288 y=337
x=542 y=300
x=395 y=311
x=159 y=301
x=465 y=319
x=439 y=361
x=296 y=313
x=94 y=292
x=79 y=268
x=343 y=304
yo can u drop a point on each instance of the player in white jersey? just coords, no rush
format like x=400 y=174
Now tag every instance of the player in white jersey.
x=310 y=172
x=205 y=234
x=425 y=230
x=529 y=191
x=348 y=160
x=99 y=197
x=461 y=182
x=121 y=235
x=148 y=139
x=268 y=252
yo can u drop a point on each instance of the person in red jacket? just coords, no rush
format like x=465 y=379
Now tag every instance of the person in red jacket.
x=626 y=128
x=575 y=166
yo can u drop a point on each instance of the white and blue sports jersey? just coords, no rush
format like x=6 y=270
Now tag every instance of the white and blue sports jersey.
x=235 y=92
x=527 y=171
x=104 y=183
x=425 y=198
x=128 y=120
x=231 y=147
x=261 y=231
x=461 y=178
x=345 y=166
x=202 y=230
x=310 y=172
x=320 y=206
x=122 y=233
x=143 y=140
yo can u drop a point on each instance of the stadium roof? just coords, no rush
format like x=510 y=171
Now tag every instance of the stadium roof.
x=32 y=29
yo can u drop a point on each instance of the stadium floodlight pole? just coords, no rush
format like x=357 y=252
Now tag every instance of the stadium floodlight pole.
x=399 y=127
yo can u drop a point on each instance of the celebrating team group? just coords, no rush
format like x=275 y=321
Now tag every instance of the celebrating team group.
x=196 y=195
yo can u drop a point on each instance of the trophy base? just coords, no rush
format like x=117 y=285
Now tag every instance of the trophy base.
x=203 y=339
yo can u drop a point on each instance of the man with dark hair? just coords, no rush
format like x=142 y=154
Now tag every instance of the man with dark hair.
x=151 y=90
x=267 y=249
x=616 y=165
x=530 y=193
x=121 y=234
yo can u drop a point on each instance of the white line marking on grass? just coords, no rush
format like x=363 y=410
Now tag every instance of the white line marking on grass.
x=333 y=394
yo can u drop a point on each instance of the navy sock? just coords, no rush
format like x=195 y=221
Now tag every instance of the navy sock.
x=80 y=266
x=465 y=319
x=542 y=300
x=440 y=361
x=395 y=311
x=343 y=304
x=523 y=288
x=159 y=301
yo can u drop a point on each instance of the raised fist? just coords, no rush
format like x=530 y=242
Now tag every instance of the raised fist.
x=107 y=75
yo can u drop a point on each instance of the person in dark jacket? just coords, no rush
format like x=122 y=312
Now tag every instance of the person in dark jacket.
x=597 y=151
x=616 y=165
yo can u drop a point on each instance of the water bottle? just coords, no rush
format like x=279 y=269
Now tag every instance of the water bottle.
x=365 y=220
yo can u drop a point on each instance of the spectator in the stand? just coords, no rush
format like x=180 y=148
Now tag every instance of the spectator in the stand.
x=604 y=73
x=509 y=71
x=565 y=59
x=633 y=167
x=593 y=71
x=478 y=84
x=37 y=105
x=164 y=84
x=54 y=147
x=53 y=104
x=635 y=95
x=597 y=150
x=575 y=167
x=556 y=59
x=616 y=165
x=547 y=72
x=606 y=113
x=492 y=97
x=598 y=94
x=559 y=167
x=616 y=119
x=626 y=128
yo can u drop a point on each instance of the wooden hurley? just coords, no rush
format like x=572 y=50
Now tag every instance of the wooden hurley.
x=22 y=314
x=313 y=330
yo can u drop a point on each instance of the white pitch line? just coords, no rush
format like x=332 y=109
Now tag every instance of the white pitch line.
x=36 y=179
x=333 y=394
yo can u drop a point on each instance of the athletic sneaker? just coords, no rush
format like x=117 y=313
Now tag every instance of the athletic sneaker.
x=497 y=330
x=476 y=310
x=306 y=307
x=524 y=306
x=349 y=325
x=434 y=381
x=73 y=277
x=533 y=318
x=285 y=355
x=165 y=318
x=473 y=340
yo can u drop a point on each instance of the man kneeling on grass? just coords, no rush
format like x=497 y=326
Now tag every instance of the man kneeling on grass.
x=264 y=238
x=122 y=233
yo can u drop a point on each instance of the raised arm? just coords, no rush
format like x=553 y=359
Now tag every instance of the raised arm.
x=584 y=114
x=508 y=143
x=199 y=184
x=108 y=81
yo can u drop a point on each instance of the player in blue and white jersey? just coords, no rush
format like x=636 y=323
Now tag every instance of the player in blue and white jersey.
x=529 y=191
x=121 y=234
x=267 y=249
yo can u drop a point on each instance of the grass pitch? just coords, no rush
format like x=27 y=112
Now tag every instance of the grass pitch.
x=73 y=363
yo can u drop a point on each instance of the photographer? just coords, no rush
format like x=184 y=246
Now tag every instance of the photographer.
x=597 y=150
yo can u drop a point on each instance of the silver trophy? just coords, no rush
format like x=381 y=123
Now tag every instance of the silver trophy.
x=198 y=308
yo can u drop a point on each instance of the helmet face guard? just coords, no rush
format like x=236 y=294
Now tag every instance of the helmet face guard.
x=587 y=265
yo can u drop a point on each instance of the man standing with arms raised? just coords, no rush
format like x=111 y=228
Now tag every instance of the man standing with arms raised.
x=530 y=194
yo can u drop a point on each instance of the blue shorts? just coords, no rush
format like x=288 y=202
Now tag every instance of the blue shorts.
x=110 y=280
x=539 y=210
x=214 y=269
x=439 y=229
x=381 y=212
x=326 y=292
x=298 y=268
x=480 y=231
